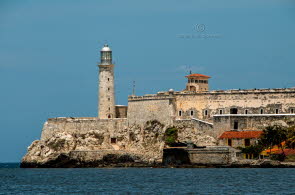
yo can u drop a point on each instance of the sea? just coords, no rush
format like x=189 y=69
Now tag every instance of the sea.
x=15 y=180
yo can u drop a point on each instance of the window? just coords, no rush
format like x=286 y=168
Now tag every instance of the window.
x=247 y=142
x=108 y=79
x=246 y=111
x=220 y=111
x=113 y=140
x=233 y=111
x=261 y=111
x=277 y=111
x=108 y=89
x=206 y=112
x=109 y=99
x=292 y=110
x=109 y=108
x=180 y=113
x=236 y=125
x=229 y=142
x=196 y=81
x=192 y=113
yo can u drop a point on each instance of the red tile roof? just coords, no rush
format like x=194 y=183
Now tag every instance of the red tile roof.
x=197 y=75
x=286 y=151
x=240 y=134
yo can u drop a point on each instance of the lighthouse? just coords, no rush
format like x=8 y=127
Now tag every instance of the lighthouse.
x=106 y=97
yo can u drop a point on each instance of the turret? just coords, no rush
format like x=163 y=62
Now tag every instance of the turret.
x=197 y=83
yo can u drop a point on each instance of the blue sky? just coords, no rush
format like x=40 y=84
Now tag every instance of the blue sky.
x=49 y=51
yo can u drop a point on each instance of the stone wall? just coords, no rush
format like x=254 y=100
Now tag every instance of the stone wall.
x=205 y=105
x=212 y=155
x=226 y=122
x=236 y=142
x=197 y=131
x=146 y=108
x=146 y=140
x=111 y=127
x=121 y=111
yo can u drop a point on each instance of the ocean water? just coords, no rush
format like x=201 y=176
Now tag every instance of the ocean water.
x=146 y=181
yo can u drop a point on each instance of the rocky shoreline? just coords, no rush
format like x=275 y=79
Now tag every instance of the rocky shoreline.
x=88 y=150
x=127 y=160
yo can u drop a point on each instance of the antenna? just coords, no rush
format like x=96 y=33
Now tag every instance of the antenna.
x=133 y=89
x=190 y=69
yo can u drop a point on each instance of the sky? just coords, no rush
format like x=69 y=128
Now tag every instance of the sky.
x=49 y=52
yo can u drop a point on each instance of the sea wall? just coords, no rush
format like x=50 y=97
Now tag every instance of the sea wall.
x=212 y=155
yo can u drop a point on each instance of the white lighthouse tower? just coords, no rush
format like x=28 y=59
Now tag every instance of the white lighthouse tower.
x=106 y=97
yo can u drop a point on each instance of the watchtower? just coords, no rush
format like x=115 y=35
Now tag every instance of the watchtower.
x=197 y=82
x=106 y=97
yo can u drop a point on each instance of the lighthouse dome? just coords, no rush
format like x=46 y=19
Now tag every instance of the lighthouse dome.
x=106 y=48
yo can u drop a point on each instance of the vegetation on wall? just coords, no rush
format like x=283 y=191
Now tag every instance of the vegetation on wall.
x=171 y=136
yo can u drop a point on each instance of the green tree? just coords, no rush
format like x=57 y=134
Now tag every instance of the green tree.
x=171 y=136
x=273 y=135
x=290 y=143
x=254 y=150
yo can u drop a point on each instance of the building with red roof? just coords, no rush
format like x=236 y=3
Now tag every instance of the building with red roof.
x=197 y=83
x=239 y=138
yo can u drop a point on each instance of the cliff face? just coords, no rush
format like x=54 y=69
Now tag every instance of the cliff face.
x=94 y=143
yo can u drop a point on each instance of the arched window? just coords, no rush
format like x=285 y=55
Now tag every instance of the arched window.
x=277 y=111
x=206 y=112
x=192 y=113
x=292 y=110
x=179 y=113
x=246 y=111
x=261 y=111
x=233 y=111
x=220 y=111
x=109 y=116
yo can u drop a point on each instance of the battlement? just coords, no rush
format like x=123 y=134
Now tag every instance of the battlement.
x=82 y=119
x=169 y=95
x=161 y=96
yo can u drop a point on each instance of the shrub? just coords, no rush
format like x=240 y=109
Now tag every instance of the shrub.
x=171 y=136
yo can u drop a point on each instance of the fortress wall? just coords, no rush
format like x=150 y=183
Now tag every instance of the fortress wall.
x=252 y=100
x=224 y=123
x=142 y=109
x=82 y=125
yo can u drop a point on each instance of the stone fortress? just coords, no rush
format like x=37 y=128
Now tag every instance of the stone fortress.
x=202 y=116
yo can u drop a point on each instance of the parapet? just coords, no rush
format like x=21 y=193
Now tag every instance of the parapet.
x=167 y=95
